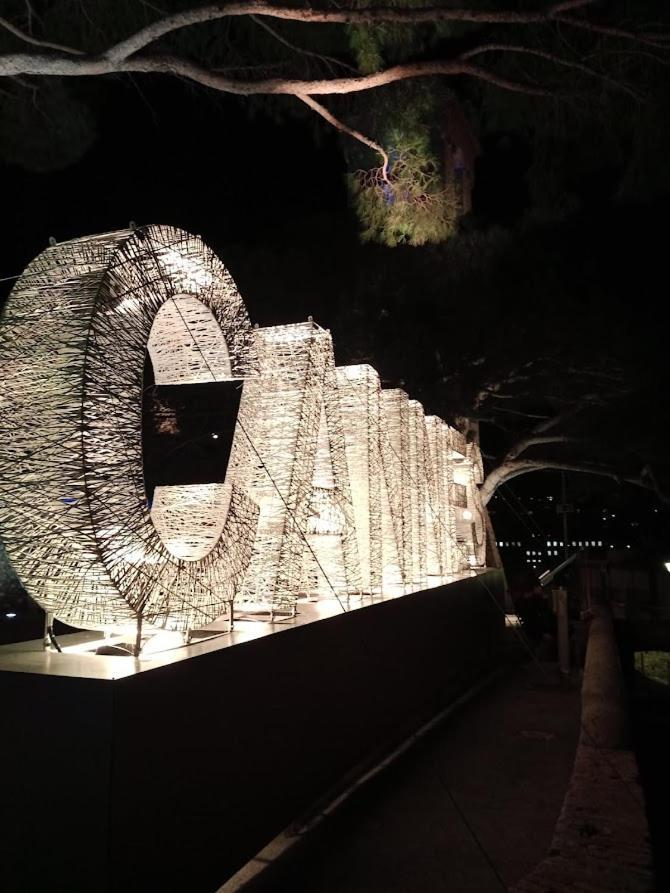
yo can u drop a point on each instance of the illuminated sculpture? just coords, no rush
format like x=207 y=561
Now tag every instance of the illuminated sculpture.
x=289 y=454
x=334 y=487
x=75 y=520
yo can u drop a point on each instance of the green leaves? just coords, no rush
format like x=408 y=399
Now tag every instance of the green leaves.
x=386 y=43
x=413 y=206
x=416 y=204
x=366 y=48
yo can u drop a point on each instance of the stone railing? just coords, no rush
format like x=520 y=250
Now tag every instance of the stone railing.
x=601 y=840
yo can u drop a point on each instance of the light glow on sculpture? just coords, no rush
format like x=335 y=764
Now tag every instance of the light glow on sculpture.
x=335 y=487
x=74 y=514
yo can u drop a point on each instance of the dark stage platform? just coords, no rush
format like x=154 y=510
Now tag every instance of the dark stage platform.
x=168 y=774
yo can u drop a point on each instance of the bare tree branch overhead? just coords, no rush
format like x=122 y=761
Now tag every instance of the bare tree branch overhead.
x=506 y=472
x=137 y=53
x=371 y=16
x=48 y=65
x=26 y=37
x=529 y=442
x=344 y=128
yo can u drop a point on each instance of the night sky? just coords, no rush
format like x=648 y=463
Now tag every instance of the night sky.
x=257 y=191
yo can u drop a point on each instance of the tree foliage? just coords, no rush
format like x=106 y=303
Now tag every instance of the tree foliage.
x=408 y=201
x=412 y=205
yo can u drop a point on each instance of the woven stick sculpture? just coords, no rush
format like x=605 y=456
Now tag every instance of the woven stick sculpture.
x=74 y=514
x=334 y=487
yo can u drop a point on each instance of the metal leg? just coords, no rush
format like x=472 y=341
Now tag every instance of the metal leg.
x=46 y=639
x=138 y=636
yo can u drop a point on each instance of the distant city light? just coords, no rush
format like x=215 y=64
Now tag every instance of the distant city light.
x=215 y=436
x=11 y=615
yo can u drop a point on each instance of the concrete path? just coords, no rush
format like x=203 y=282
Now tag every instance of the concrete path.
x=496 y=770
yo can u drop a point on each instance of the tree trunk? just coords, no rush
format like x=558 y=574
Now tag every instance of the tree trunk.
x=470 y=428
x=493 y=558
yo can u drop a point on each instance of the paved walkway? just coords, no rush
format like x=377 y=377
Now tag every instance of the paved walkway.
x=496 y=770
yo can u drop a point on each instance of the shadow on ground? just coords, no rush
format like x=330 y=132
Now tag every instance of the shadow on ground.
x=472 y=807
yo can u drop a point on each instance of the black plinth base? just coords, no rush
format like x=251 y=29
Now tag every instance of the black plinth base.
x=171 y=778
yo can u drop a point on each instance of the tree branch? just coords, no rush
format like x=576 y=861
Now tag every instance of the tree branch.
x=570 y=4
x=558 y=419
x=344 y=128
x=34 y=41
x=124 y=57
x=653 y=40
x=554 y=59
x=648 y=479
x=528 y=442
x=370 y=16
x=296 y=49
x=509 y=470
x=12 y=64
x=525 y=415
